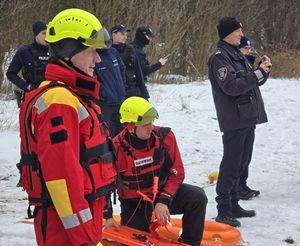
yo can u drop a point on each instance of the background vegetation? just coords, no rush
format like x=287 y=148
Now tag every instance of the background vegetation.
x=186 y=29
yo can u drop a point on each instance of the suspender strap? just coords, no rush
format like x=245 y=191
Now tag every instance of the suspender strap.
x=105 y=151
x=30 y=159
x=102 y=191
x=125 y=147
x=86 y=166
x=45 y=205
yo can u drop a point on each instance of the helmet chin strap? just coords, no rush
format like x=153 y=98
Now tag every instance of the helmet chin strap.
x=68 y=61
x=130 y=127
x=70 y=64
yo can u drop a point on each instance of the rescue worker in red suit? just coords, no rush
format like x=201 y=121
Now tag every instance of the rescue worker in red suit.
x=66 y=150
x=144 y=151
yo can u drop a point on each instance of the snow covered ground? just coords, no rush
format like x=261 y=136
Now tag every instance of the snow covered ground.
x=189 y=110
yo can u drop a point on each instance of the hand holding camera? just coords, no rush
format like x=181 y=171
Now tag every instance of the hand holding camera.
x=266 y=64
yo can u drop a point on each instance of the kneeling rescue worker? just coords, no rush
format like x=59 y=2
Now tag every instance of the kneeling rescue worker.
x=66 y=150
x=146 y=153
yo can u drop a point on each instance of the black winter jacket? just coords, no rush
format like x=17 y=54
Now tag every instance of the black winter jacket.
x=31 y=60
x=134 y=73
x=146 y=66
x=235 y=89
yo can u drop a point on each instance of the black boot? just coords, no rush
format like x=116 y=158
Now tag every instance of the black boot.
x=255 y=192
x=239 y=212
x=247 y=193
x=229 y=220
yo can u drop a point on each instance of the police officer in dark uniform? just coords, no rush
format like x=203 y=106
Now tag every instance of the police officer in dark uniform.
x=142 y=38
x=245 y=48
x=135 y=83
x=31 y=60
x=111 y=76
x=239 y=107
x=245 y=192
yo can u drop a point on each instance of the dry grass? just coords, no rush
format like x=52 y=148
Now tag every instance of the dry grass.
x=185 y=29
x=286 y=64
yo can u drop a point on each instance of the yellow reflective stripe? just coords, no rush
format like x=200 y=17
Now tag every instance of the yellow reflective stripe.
x=59 y=194
x=85 y=215
x=70 y=221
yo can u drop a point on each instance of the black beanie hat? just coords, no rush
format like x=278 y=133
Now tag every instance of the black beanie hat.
x=141 y=34
x=38 y=26
x=227 y=25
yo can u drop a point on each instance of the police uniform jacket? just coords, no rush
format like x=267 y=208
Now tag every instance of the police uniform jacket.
x=235 y=89
x=111 y=75
x=134 y=73
x=31 y=60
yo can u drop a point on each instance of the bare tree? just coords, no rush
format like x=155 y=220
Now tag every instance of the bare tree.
x=186 y=29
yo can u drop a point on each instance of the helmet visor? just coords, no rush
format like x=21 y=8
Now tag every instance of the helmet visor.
x=100 y=39
x=148 y=117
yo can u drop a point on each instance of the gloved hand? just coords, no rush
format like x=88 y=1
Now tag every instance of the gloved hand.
x=162 y=213
x=111 y=223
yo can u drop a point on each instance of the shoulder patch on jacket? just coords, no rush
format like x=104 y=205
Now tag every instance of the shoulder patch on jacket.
x=222 y=73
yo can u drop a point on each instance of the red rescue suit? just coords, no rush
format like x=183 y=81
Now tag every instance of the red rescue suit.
x=137 y=167
x=138 y=162
x=67 y=158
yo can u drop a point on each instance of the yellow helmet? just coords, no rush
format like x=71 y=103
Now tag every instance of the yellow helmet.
x=80 y=25
x=138 y=111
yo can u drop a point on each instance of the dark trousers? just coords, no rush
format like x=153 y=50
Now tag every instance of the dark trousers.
x=246 y=163
x=189 y=200
x=111 y=116
x=237 y=151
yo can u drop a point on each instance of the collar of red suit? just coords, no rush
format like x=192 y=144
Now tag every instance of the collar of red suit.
x=82 y=84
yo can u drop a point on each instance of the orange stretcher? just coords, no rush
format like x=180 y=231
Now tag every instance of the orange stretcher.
x=133 y=237
x=214 y=234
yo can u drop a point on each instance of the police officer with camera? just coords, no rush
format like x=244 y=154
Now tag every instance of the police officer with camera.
x=239 y=106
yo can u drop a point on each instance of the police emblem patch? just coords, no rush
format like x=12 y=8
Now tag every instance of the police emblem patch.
x=222 y=73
